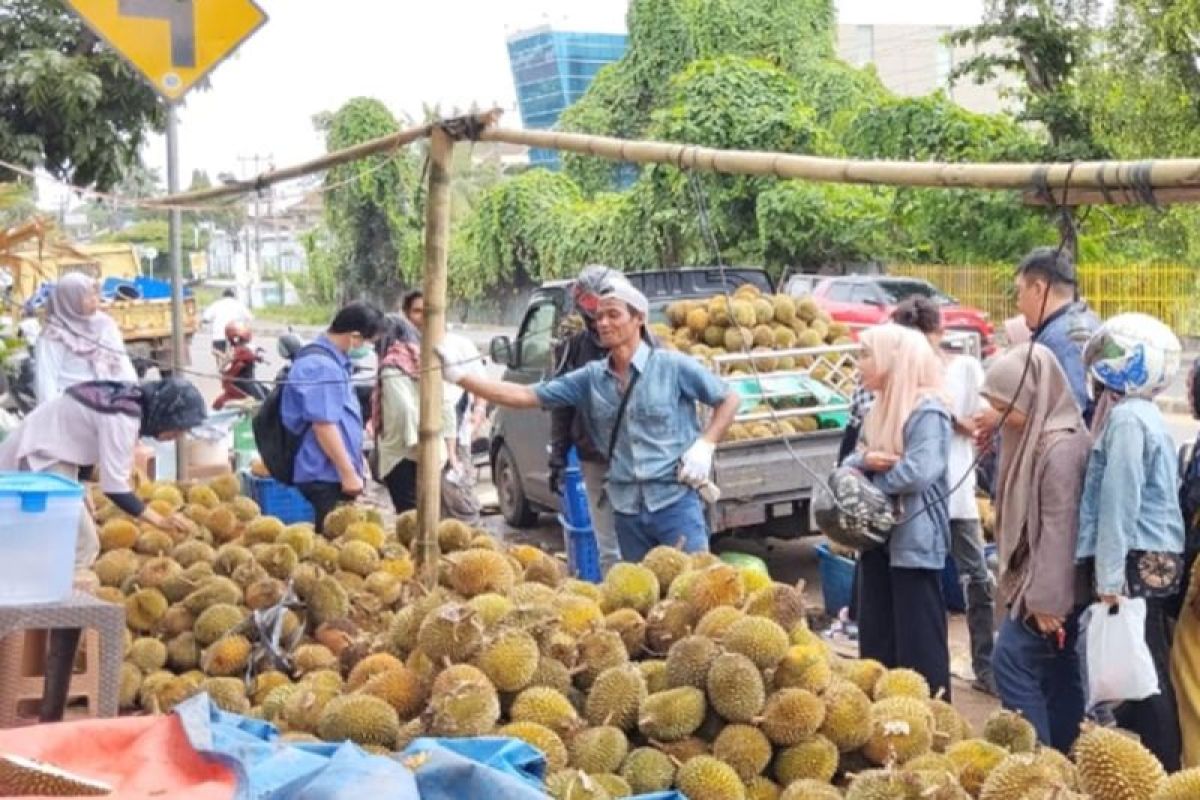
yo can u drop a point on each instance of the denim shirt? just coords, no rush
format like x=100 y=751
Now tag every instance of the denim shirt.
x=920 y=481
x=1066 y=332
x=319 y=390
x=660 y=421
x=1129 y=493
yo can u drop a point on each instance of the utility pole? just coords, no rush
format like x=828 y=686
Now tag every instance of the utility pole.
x=255 y=271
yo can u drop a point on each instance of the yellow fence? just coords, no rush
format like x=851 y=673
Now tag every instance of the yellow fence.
x=1167 y=291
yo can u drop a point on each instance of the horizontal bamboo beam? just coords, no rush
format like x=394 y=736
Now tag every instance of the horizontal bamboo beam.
x=1113 y=197
x=259 y=182
x=1111 y=175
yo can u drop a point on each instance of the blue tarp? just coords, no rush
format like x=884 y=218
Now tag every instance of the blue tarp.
x=497 y=768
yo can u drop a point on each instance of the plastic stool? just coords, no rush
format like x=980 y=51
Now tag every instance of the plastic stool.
x=20 y=653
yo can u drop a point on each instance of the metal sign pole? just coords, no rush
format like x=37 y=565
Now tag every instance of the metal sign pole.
x=175 y=238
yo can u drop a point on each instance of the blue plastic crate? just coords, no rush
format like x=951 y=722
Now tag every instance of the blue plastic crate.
x=837 y=579
x=277 y=500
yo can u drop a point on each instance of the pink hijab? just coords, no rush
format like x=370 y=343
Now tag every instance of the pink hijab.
x=912 y=373
x=91 y=336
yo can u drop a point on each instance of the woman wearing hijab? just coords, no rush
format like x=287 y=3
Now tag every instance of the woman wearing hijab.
x=98 y=424
x=1042 y=459
x=905 y=439
x=79 y=342
x=396 y=412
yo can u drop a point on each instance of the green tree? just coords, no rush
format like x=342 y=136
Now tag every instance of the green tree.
x=68 y=103
x=373 y=207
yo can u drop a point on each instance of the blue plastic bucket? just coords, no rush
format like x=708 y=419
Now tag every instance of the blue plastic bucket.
x=837 y=579
x=583 y=555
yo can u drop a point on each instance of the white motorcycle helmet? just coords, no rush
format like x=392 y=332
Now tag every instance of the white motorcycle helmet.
x=1133 y=354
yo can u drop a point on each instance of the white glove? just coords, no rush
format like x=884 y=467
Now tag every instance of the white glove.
x=455 y=370
x=696 y=463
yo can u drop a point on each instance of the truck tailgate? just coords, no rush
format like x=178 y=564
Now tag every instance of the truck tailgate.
x=754 y=474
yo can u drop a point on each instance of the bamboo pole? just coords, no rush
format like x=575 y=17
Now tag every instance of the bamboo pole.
x=429 y=466
x=237 y=188
x=1100 y=175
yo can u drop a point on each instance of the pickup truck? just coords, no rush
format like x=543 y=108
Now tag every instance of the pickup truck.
x=146 y=328
x=762 y=486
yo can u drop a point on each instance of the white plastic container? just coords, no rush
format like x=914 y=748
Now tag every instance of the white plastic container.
x=39 y=524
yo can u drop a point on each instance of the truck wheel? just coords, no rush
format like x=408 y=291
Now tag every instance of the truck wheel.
x=511 y=494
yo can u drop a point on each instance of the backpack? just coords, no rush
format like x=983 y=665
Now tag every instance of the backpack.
x=277 y=445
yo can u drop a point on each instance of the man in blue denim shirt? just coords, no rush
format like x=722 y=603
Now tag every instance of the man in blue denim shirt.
x=660 y=456
x=319 y=400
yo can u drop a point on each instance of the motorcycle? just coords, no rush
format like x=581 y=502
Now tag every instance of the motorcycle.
x=237 y=364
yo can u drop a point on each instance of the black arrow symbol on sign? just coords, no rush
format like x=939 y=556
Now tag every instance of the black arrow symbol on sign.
x=181 y=16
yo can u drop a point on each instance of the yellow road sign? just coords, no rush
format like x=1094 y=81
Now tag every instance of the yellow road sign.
x=173 y=43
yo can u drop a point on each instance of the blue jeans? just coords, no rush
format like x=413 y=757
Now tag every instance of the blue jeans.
x=680 y=524
x=1041 y=681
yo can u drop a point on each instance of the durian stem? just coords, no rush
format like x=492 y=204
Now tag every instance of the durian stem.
x=429 y=466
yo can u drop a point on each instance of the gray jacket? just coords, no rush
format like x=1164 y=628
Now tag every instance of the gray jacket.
x=921 y=485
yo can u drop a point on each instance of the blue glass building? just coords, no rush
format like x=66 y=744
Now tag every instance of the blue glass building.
x=551 y=70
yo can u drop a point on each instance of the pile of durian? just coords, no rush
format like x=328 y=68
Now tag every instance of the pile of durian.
x=681 y=671
x=762 y=324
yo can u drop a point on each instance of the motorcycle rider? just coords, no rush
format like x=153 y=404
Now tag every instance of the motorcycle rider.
x=579 y=344
x=237 y=375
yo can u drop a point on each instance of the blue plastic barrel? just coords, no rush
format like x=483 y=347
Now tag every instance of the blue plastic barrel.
x=837 y=579
x=583 y=555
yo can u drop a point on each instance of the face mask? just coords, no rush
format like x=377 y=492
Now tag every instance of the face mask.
x=362 y=351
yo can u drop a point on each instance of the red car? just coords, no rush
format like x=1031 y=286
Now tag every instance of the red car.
x=863 y=300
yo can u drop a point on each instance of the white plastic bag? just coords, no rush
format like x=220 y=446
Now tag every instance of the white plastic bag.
x=1119 y=665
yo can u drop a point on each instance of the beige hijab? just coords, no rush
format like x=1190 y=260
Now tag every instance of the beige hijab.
x=1046 y=399
x=914 y=373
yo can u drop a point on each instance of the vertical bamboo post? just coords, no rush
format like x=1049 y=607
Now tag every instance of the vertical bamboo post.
x=429 y=466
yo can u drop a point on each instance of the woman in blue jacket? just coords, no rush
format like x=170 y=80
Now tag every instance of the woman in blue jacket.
x=905 y=441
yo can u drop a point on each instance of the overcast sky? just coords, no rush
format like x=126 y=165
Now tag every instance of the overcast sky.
x=313 y=56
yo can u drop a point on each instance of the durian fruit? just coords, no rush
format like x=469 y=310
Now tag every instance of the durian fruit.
x=1113 y=766
x=183 y=652
x=975 y=759
x=328 y=601
x=369 y=667
x=672 y=715
x=264 y=530
x=655 y=673
x=689 y=660
x=401 y=688
x=115 y=567
x=358 y=558
x=227 y=694
x=147 y=654
x=647 y=770
x=815 y=758
x=760 y=639
x=153 y=542
x=578 y=614
x=948 y=725
x=598 y=750
x=303 y=708
x=1183 y=785
x=745 y=748
x=667 y=563
x=862 y=672
x=245 y=509
x=406 y=527
x=901 y=729
x=573 y=784
x=599 y=650
x=223 y=524
x=312 y=658
x=216 y=621
x=265 y=683
x=27 y=777
x=716 y=622
x=359 y=718
x=463 y=703
x=616 y=697
x=1021 y=775
x=629 y=625
x=144 y=609
x=264 y=593
x=226 y=657
x=718 y=585
x=847 y=714
x=212 y=591
x=226 y=487
x=509 y=659
x=667 y=623
x=760 y=787
x=474 y=572
x=630 y=586
x=454 y=535
x=545 y=706
x=735 y=688
x=803 y=667
x=791 y=716
x=129 y=687
x=886 y=784
x=229 y=557
x=901 y=682
x=541 y=737
x=808 y=789
x=366 y=531
x=1011 y=731
x=118 y=534
x=707 y=778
